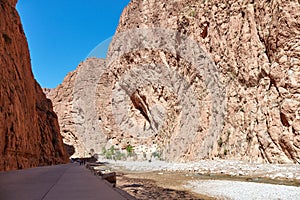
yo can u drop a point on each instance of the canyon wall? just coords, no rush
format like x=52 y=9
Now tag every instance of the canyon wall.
x=192 y=80
x=29 y=129
x=73 y=101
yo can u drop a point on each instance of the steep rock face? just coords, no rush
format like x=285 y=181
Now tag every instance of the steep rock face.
x=29 y=129
x=73 y=103
x=255 y=47
x=199 y=79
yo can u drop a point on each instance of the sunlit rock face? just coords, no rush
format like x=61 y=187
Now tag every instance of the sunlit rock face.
x=29 y=129
x=195 y=79
x=73 y=101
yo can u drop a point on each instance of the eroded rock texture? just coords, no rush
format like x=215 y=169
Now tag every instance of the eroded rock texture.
x=73 y=101
x=255 y=46
x=243 y=102
x=29 y=129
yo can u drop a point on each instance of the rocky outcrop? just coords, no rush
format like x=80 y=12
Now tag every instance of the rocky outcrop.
x=29 y=129
x=62 y=98
x=73 y=103
x=255 y=48
x=192 y=80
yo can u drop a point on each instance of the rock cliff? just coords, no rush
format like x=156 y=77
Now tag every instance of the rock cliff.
x=73 y=103
x=192 y=80
x=29 y=128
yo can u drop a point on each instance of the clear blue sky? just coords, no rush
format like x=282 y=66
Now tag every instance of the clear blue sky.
x=61 y=34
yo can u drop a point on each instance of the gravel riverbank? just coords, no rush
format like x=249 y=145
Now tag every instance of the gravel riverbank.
x=238 y=190
x=285 y=178
x=226 y=167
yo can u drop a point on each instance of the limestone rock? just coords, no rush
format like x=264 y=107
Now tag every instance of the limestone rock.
x=29 y=129
x=194 y=80
x=73 y=103
x=256 y=52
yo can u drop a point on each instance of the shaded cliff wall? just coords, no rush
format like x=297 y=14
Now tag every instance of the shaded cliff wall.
x=29 y=129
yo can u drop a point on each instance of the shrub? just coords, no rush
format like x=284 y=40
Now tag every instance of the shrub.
x=129 y=150
x=156 y=155
x=119 y=155
x=103 y=151
x=108 y=153
x=112 y=149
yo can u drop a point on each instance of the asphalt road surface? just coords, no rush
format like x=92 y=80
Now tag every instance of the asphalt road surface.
x=61 y=182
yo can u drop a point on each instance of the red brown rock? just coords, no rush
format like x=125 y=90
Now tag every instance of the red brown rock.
x=29 y=131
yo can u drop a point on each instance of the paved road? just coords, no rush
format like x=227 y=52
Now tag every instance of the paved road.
x=61 y=182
